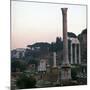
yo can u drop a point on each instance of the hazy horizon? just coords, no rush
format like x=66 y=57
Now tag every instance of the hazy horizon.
x=41 y=22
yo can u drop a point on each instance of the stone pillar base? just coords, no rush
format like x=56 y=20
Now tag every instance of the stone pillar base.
x=65 y=72
x=52 y=74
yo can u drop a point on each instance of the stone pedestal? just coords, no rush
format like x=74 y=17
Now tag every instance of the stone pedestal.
x=48 y=72
x=65 y=72
x=54 y=74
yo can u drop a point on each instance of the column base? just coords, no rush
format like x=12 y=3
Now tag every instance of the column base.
x=66 y=72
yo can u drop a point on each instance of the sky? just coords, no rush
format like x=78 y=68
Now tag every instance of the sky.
x=42 y=22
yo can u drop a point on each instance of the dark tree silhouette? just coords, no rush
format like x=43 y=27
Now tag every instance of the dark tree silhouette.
x=24 y=82
x=16 y=64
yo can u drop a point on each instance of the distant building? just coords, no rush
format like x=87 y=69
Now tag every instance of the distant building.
x=83 y=43
x=18 y=53
x=74 y=49
x=78 y=52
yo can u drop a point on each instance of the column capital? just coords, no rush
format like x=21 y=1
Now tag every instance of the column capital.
x=64 y=10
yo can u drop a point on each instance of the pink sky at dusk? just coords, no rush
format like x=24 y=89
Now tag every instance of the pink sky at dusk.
x=41 y=22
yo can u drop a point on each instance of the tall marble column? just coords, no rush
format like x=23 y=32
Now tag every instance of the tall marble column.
x=65 y=41
x=66 y=69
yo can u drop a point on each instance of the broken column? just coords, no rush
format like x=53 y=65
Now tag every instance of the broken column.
x=54 y=70
x=65 y=68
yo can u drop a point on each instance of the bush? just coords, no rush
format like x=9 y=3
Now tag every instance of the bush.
x=26 y=82
x=17 y=64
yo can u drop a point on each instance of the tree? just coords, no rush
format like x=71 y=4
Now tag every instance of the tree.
x=53 y=47
x=59 y=44
x=24 y=82
x=17 y=64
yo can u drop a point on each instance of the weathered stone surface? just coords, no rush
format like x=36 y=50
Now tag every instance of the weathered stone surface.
x=66 y=70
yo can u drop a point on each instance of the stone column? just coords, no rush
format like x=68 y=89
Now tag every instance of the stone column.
x=79 y=54
x=65 y=68
x=71 y=54
x=54 y=59
x=65 y=41
x=75 y=53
